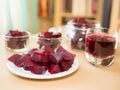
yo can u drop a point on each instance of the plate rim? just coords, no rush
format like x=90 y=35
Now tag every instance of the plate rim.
x=17 y=71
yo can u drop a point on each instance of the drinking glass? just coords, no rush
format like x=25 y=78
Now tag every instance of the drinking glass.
x=100 y=46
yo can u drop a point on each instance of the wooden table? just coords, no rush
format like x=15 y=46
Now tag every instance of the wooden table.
x=87 y=77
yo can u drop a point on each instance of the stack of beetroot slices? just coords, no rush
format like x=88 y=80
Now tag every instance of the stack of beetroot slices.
x=38 y=61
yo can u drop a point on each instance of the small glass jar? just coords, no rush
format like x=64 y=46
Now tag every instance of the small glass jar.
x=76 y=31
x=53 y=42
x=17 y=43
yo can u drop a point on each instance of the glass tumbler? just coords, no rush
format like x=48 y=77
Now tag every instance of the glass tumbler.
x=100 y=46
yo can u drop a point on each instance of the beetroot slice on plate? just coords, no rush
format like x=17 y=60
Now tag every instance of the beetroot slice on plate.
x=56 y=57
x=14 y=57
x=38 y=69
x=54 y=69
x=66 y=55
x=64 y=66
x=27 y=61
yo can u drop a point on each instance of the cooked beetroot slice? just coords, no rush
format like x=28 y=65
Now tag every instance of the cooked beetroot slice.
x=36 y=56
x=19 y=62
x=64 y=66
x=16 y=33
x=66 y=55
x=54 y=69
x=80 y=21
x=70 y=62
x=14 y=57
x=32 y=51
x=45 y=35
x=57 y=35
x=27 y=61
x=56 y=57
x=37 y=69
x=39 y=56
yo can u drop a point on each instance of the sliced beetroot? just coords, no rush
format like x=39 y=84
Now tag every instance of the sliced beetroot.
x=64 y=66
x=56 y=57
x=14 y=57
x=66 y=55
x=36 y=56
x=70 y=62
x=27 y=61
x=37 y=69
x=39 y=56
x=38 y=61
x=19 y=62
x=45 y=35
x=49 y=35
x=16 y=33
x=54 y=69
x=57 y=35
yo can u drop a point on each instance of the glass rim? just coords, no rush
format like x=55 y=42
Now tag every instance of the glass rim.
x=50 y=38
x=28 y=34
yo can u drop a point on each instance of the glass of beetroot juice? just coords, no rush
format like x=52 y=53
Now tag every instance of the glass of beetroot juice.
x=100 y=46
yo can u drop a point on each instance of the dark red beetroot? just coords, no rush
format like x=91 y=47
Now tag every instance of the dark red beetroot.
x=66 y=55
x=38 y=69
x=27 y=61
x=56 y=57
x=16 y=43
x=14 y=57
x=64 y=66
x=38 y=61
x=45 y=35
x=54 y=69
x=39 y=56
x=79 y=22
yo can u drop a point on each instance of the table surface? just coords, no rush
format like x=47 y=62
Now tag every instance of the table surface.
x=86 y=77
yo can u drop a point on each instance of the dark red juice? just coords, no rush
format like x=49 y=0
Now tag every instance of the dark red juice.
x=100 y=45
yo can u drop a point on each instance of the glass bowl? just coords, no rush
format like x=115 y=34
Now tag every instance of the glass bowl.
x=17 y=43
x=53 y=42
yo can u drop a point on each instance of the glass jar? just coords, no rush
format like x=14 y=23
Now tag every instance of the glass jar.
x=17 y=41
x=76 y=31
x=50 y=39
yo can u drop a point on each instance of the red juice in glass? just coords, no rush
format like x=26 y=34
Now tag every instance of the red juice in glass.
x=100 y=48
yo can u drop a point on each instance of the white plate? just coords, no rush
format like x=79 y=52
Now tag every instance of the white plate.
x=27 y=74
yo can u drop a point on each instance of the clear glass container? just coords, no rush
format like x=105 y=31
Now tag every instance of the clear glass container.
x=76 y=31
x=53 y=42
x=101 y=45
x=17 y=43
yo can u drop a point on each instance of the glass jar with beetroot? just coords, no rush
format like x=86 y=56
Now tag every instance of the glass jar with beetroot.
x=50 y=39
x=76 y=31
x=16 y=40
